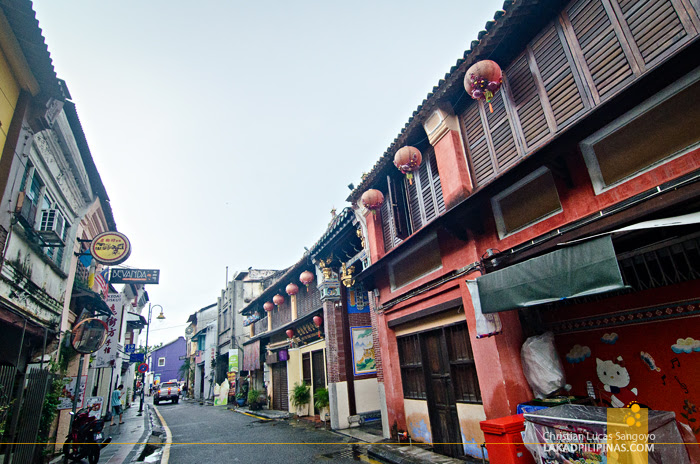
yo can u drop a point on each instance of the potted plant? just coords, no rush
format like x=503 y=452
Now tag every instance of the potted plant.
x=253 y=403
x=240 y=398
x=321 y=403
x=301 y=396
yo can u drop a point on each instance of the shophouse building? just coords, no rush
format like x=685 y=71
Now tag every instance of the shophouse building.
x=593 y=130
x=240 y=290
x=204 y=340
x=166 y=361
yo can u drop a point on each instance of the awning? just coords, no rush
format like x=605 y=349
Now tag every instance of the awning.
x=588 y=268
x=135 y=321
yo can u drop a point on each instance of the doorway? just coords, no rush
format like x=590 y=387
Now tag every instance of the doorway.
x=318 y=368
x=280 y=401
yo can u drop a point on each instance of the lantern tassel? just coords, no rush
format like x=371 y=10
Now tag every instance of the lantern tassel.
x=409 y=176
x=490 y=107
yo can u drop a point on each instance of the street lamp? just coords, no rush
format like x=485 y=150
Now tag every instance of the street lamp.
x=160 y=316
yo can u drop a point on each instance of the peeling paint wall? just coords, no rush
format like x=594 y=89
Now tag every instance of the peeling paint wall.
x=472 y=437
x=418 y=420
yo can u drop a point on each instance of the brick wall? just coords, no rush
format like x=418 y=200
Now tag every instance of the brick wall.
x=375 y=337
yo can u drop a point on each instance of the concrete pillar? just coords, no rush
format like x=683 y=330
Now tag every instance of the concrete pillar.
x=444 y=135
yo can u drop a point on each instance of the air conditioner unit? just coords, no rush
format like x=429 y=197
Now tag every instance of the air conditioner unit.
x=52 y=227
x=25 y=210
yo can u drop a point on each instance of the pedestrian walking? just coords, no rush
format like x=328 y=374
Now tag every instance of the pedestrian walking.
x=117 y=404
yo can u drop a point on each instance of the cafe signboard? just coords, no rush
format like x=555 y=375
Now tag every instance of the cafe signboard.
x=134 y=276
x=110 y=248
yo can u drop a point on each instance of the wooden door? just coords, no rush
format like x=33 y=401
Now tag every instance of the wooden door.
x=442 y=408
x=280 y=393
x=319 y=372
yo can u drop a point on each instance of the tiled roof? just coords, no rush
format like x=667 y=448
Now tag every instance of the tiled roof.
x=512 y=16
x=25 y=26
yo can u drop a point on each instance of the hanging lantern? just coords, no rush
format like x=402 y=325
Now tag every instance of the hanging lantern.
x=290 y=333
x=278 y=300
x=482 y=80
x=372 y=199
x=268 y=306
x=291 y=289
x=318 y=320
x=306 y=278
x=407 y=160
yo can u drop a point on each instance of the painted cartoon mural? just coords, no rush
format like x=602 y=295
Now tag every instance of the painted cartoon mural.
x=655 y=363
x=615 y=379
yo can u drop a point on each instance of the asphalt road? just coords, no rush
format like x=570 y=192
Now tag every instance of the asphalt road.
x=214 y=435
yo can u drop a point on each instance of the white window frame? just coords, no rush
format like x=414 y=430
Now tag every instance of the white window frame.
x=498 y=212
x=161 y=364
x=586 y=145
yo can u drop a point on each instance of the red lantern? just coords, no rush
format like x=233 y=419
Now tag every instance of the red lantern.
x=278 y=299
x=292 y=289
x=306 y=278
x=290 y=333
x=407 y=160
x=318 y=320
x=482 y=80
x=268 y=306
x=372 y=199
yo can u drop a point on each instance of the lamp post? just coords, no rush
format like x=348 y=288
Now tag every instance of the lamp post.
x=143 y=375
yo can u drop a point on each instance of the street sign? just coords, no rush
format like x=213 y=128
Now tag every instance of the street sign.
x=137 y=357
x=143 y=368
x=129 y=348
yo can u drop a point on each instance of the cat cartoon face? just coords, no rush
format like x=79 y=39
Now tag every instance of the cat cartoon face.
x=612 y=374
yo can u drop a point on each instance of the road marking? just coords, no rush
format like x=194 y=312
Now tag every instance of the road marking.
x=168 y=438
x=253 y=415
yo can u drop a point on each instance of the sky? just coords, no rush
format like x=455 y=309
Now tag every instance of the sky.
x=226 y=131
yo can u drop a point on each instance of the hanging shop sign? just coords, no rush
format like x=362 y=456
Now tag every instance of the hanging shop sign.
x=110 y=248
x=134 y=276
x=88 y=335
x=233 y=360
x=307 y=333
x=108 y=354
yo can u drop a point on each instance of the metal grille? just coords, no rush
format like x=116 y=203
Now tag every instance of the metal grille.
x=38 y=381
x=660 y=264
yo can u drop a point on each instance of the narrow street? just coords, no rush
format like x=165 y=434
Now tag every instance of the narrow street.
x=209 y=434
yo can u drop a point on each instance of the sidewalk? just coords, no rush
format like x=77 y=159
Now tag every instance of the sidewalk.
x=127 y=438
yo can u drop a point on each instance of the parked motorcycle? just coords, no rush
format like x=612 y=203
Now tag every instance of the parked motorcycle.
x=85 y=439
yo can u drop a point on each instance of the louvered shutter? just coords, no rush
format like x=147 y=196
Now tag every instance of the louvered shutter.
x=503 y=146
x=425 y=195
x=437 y=185
x=654 y=27
x=608 y=65
x=521 y=83
x=475 y=140
x=387 y=224
x=414 y=203
x=560 y=81
x=426 y=190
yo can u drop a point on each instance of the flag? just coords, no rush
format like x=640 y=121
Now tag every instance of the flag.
x=101 y=281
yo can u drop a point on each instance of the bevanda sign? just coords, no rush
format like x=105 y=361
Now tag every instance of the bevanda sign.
x=133 y=276
x=110 y=248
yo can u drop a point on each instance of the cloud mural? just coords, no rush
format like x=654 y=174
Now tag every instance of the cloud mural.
x=609 y=338
x=686 y=345
x=578 y=353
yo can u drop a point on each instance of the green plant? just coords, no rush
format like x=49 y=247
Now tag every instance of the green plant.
x=240 y=396
x=48 y=413
x=321 y=398
x=253 y=396
x=301 y=395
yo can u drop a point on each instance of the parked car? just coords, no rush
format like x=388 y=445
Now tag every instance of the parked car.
x=167 y=391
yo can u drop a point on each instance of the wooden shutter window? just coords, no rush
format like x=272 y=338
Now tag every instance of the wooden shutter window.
x=387 y=224
x=503 y=145
x=654 y=27
x=425 y=199
x=608 y=66
x=399 y=208
x=479 y=153
x=561 y=84
x=521 y=83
